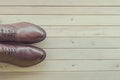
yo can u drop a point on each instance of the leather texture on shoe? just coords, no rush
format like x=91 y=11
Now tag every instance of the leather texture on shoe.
x=22 y=32
x=21 y=55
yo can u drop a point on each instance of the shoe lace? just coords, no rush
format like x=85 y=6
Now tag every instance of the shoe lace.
x=7 y=34
x=8 y=51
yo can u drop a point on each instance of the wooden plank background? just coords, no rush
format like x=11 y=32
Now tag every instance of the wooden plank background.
x=83 y=40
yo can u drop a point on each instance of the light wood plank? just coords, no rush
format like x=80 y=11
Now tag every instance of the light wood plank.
x=111 y=75
x=61 y=2
x=83 y=54
x=62 y=19
x=66 y=65
x=82 y=43
x=60 y=10
x=82 y=31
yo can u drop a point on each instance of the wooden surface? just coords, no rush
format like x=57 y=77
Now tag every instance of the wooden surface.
x=83 y=40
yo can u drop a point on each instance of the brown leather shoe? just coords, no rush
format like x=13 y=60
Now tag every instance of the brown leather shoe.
x=21 y=55
x=22 y=32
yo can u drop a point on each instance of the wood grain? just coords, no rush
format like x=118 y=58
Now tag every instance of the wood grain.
x=82 y=31
x=60 y=10
x=62 y=19
x=66 y=65
x=110 y=75
x=62 y=2
x=80 y=43
x=83 y=54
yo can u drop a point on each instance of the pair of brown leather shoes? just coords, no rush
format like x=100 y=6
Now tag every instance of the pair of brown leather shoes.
x=17 y=54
